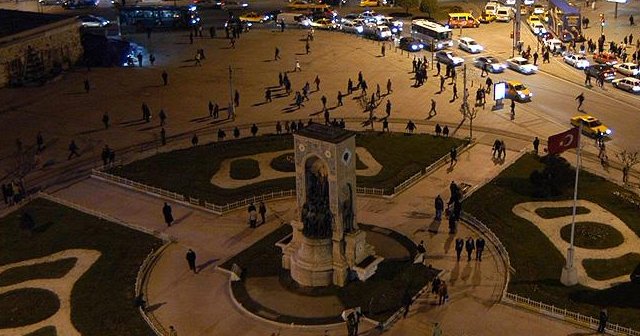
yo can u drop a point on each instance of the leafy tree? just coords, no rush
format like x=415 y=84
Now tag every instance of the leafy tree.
x=556 y=177
x=429 y=6
x=407 y=4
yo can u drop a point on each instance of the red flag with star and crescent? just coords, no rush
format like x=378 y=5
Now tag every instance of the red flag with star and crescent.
x=561 y=142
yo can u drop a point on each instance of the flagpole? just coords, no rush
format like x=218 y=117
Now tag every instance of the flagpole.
x=569 y=275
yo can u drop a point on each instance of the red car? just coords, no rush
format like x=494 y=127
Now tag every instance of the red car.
x=605 y=58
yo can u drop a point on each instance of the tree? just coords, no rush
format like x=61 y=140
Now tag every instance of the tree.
x=429 y=6
x=555 y=178
x=407 y=4
x=629 y=160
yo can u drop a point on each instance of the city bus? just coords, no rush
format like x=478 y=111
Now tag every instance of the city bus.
x=140 y=18
x=565 y=21
x=434 y=35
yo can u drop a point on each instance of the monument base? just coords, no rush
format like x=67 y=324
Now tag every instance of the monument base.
x=312 y=262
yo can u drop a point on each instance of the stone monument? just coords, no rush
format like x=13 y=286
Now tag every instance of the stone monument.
x=326 y=242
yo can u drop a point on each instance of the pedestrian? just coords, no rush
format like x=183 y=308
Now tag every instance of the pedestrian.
x=383 y=49
x=282 y=25
x=212 y=31
x=389 y=86
x=438 y=68
x=236 y=98
x=165 y=77
x=459 y=247
x=438 y=129
x=190 y=37
x=277 y=54
x=489 y=84
x=535 y=58
x=191 y=260
x=73 y=150
x=453 y=155
x=432 y=111
x=421 y=251
x=39 y=142
x=388 y=108
x=267 y=95
x=385 y=125
x=254 y=129
x=479 y=248
x=105 y=120
x=364 y=87
x=445 y=131
x=236 y=132
x=197 y=59
x=163 y=117
x=163 y=136
x=253 y=216
x=455 y=92
x=167 y=213
x=536 y=143
x=307 y=47
x=140 y=59
x=442 y=80
x=469 y=245
x=443 y=293
x=262 y=209
x=437 y=331
x=350 y=86
x=317 y=83
x=340 y=99
x=297 y=68
x=106 y=151
x=216 y=111
x=439 y=205
x=435 y=285
x=87 y=86
x=602 y=320
x=378 y=95
x=172 y=331
x=323 y=99
x=580 y=99
x=152 y=59
x=513 y=109
x=194 y=140
x=410 y=127
x=631 y=23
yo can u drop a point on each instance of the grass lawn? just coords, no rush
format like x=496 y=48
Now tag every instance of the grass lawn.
x=18 y=306
x=380 y=296
x=592 y=235
x=244 y=169
x=537 y=262
x=603 y=269
x=50 y=270
x=189 y=171
x=46 y=331
x=550 y=213
x=285 y=163
x=102 y=299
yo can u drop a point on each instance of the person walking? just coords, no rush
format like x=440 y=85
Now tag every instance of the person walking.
x=442 y=80
x=580 y=99
x=297 y=68
x=455 y=92
x=167 y=213
x=383 y=49
x=73 y=150
x=469 y=245
x=388 y=108
x=317 y=83
x=152 y=59
x=165 y=77
x=438 y=69
x=385 y=125
x=513 y=109
x=277 y=54
x=438 y=130
x=439 y=205
x=105 y=120
x=421 y=251
x=445 y=131
x=602 y=320
x=480 y=243
x=323 y=99
x=432 y=111
x=389 y=86
x=453 y=155
x=267 y=95
x=194 y=140
x=262 y=209
x=459 y=247
x=307 y=47
x=163 y=136
x=253 y=216
x=191 y=260
x=340 y=99
x=163 y=117
x=631 y=23
x=536 y=143
x=236 y=98
x=443 y=293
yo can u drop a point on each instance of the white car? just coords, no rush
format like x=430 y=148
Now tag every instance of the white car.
x=351 y=27
x=469 y=45
x=554 y=45
x=630 y=84
x=538 y=28
x=538 y=9
x=324 y=24
x=521 y=65
x=576 y=60
x=448 y=57
x=93 y=21
x=371 y=16
x=490 y=64
x=627 y=69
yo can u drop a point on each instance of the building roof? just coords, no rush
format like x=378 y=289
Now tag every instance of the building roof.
x=14 y=22
x=325 y=133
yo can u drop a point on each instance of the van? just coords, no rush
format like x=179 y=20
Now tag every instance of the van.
x=293 y=19
x=462 y=20
x=491 y=7
x=503 y=14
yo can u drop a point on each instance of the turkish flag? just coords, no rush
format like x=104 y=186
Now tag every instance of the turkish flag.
x=561 y=142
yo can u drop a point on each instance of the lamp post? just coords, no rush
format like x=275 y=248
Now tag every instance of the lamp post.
x=232 y=106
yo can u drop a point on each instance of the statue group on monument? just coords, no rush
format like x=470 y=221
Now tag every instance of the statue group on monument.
x=316 y=215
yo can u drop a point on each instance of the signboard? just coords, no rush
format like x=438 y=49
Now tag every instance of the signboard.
x=618 y=1
x=499 y=90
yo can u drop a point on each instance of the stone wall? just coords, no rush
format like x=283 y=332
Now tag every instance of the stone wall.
x=39 y=53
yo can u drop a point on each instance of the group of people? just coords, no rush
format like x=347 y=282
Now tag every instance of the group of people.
x=13 y=192
x=253 y=214
x=470 y=245
x=499 y=150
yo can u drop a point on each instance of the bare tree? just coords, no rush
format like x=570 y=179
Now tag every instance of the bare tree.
x=628 y=159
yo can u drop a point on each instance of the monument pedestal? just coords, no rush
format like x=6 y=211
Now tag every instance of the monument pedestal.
x=310 y=260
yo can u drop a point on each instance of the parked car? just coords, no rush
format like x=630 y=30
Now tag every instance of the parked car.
x=576 y=60
x=538 y=28
x=470 y=45
x=351 y=27
x=595 y=70
x=234 y=5
x=411 y=44
x=486 y=18
x=325 y=24
x=627 y=69
x=538 y=9
x=630 y=84
x=555 y=45
x=76 y=4
x=253 y=17
x=92 y=21
x=50 y=2
x=490 y=64
x=533 y=19
x=517 y=91
x=605 y=58
x=448 y=57
x=521 y=65
x=590 y=125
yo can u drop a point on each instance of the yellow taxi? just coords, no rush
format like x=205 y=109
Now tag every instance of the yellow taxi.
x=590 y=125
x=369 y=3
x=252 y=17
x=517 y=91
x=302 y=4
x=487 y=17
x=533 y=19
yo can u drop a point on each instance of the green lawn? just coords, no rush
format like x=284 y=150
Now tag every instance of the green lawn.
x=102 y=299
x=537 y=262
x=603 y=269
x=592 y=235
x=49 y=270
x=25 y=306
x=244 y=169
x=189 y=171
x=549 y=213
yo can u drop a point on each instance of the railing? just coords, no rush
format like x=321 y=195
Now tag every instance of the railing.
x=566 y=315
x=137 y=185
x=141 y=282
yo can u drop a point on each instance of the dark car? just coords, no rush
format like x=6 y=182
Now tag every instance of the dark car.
x=595 y=70
x=490 y=64
x=75 y=4
x=635 y=275
x=411 y=44
x=545 y=36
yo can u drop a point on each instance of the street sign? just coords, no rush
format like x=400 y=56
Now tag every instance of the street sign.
x=618 y=1
x=499 y=90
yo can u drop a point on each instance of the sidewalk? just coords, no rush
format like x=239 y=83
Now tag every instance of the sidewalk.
x=201 y=304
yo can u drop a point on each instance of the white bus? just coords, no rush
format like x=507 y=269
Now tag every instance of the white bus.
x=435 y=36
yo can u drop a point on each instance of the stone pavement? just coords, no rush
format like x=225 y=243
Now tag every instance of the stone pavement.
x=201 y=304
